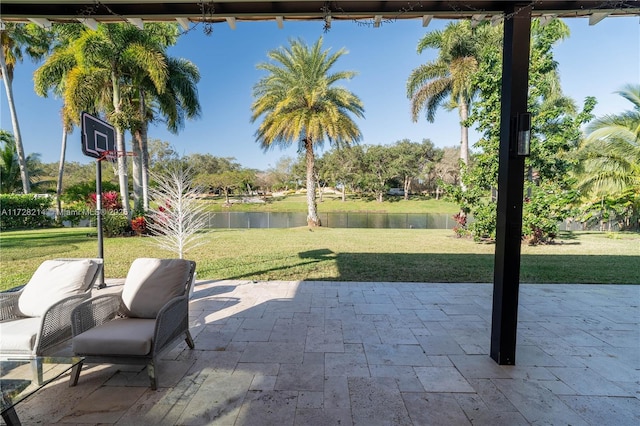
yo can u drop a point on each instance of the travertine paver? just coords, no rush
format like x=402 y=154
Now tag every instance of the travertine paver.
x=333 y=353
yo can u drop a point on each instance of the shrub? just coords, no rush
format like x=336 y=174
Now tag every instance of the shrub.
x=110 y=201
x=24 y=211
x=115 y=224
x=139 y=225
x=81 y=191
x=75 y=212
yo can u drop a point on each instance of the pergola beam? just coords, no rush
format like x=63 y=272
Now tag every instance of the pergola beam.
x=138 y=22
x=41 y=22
x=184 y=23
x=195 y=11
x=597 y=17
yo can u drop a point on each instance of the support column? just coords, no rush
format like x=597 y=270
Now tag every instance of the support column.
x=506 y=281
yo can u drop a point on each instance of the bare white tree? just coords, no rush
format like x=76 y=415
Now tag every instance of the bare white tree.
x=178 y=215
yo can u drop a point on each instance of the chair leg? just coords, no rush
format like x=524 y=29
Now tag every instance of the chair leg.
x=36 y=369
x=10 y=417
x=189 y=340
x=75 y=374
x=151 y=370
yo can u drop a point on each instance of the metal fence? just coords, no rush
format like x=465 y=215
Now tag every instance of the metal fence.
x=330 y=220
x=236 y=220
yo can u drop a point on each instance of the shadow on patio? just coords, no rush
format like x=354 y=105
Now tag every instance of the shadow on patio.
x=336 y=353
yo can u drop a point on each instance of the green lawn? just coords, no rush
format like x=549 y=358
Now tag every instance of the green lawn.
x=394 y=255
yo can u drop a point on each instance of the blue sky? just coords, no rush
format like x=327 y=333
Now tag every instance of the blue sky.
x=594 y=61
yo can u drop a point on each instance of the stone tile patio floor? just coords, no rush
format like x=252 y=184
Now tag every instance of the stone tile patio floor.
x=342 y=353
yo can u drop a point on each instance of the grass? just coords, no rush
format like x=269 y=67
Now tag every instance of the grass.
x=388 y=255
x=333 y=203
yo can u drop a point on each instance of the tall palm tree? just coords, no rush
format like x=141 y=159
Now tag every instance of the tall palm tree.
x=299 y=101
x=610 y=154
x=98 y=66
x=177 y=101
x=449 y=79
x=17 y=39
x=45 y=81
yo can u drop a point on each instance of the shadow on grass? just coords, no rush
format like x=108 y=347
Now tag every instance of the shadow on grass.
x=429 y=267
x=47 y=239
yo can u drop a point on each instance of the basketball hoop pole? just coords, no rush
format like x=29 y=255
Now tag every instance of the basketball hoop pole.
x=101 y=283
x=98 y=141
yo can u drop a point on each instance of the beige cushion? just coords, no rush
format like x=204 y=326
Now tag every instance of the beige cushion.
x=151 y=283
x=122 y=336
x=53 y=281
x=19 y=336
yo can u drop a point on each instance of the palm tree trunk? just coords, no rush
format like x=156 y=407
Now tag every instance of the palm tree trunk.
x=22 y=162
x=63 y=152
x=123 y=178
x=312 y=215
x=123 y=175
x=464 y=137
x=464 y=131
x=137 y=170
x=144 y=153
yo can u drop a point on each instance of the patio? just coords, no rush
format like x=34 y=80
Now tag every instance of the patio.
x=343 y=353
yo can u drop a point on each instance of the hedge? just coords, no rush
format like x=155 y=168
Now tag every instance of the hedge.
x=28 y=211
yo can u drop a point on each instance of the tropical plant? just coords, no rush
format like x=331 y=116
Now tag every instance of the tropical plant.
x=610 y=155
x=10 y=176
x=45 y=81
x=98 y=66
x=555 y=133
x=298 y=101
x=176 y=101
x=16 y=40
x=449 y=80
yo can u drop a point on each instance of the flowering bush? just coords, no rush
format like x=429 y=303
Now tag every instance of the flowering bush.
x=461 y=228
x=110 y=200
x=139 y=225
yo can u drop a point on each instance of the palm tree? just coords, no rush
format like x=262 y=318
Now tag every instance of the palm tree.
x=44 y=80
x=16 y=38
x=449 y=80
x=98 y=66
x=177 y=101
x=610 y=154
x=10 y=176
x=298 y=101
